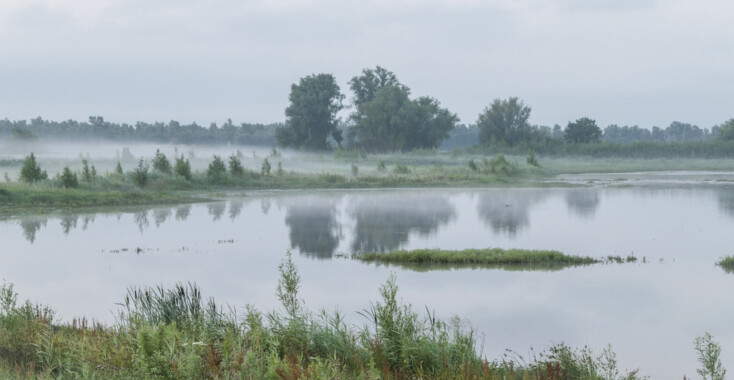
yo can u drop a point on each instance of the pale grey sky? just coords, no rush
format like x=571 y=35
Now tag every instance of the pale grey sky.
x=642 y=62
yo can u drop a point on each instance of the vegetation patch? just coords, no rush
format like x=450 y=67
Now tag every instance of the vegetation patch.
x=489 y=257
x=727 y=264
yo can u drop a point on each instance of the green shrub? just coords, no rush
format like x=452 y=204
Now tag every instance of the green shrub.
x=265 y=168
x=217 y=170
x=140 y=174
x=87 y=174
x=235 y=166
x=182 y=168
x=69 y=178
x=709 y=355
x=118 y=169
x=161 y=163
x=31 y=171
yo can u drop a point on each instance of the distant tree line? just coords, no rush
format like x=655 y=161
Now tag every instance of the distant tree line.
x=171 y=132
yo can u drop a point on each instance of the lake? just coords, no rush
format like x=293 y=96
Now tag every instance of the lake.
x=649 y=311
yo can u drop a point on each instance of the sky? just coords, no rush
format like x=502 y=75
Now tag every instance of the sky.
x=626 y=62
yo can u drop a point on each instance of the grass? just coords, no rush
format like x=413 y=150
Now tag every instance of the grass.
x=518 y=259
x=178 y=334
x=727 y=264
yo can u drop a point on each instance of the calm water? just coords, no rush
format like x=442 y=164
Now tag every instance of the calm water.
x=81 y=264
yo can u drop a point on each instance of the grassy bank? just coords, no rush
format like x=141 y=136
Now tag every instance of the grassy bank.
x=23 y=197
x=177 y=334
x=519 y=259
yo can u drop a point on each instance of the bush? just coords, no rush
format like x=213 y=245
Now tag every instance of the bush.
x=182 y=168
x=161 y=163
x=87 y=174
x=499 y=165
x=118 y=169
x=532 y=160
x=140 y=174
x=235 y=166
x=265 y=169
x=31 y=171
x=69 y=178
x=355 y=170
x=280 y=170
x=401 y=169
x=217 y=170
x=709 y=353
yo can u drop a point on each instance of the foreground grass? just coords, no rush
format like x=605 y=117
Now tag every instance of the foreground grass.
x=176 y=334
x=518 y=259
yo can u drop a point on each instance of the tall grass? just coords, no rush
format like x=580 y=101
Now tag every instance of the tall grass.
x=178 y=334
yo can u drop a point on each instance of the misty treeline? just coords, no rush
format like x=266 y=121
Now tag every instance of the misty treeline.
x=171 y=132
x=383 y=117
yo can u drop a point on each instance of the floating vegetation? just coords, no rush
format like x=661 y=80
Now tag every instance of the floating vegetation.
x=517 y=259
x=727 y=264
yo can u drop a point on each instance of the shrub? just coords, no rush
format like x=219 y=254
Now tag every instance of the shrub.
x=235 y=165
x=161 y=163
x=280 y=171
x=182 y=168
x=265 y=169
x=709 y=355
x=381 y=166
x=532 y=160
x=87 y=174
x=69 y=178
x=140 y=174
x=31 y=171
x=355 y=170
x=217 y=170
x=401 y=169
x=118 y=168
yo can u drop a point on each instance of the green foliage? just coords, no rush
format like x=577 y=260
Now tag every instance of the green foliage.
x=217 y=171
x=23 y=134
x=709 y=355
x=280 y=172
x=69 y=178
x=504 y=121
x=532 y=160
x=726 y=130
x=31 y=171
x=311 y=115
x=161 y=164
x=727 y=263
x=381 y=167
x=473 y=165
x=355 y=170
x=288 y=284
x=182 y=168
x=265 y=168
x=500 y=165
x=140 y=174
x=385 y=119
x=87 y=174
x=118 y=169
x=235 y=166
x=582 y=131
x=401 y=169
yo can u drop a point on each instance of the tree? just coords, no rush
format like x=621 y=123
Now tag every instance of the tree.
x=140 y=173
x=504 y=121
x=69 y=178
x=311 y=115
x=235 y=166
x=726 y=131
x=217 y=170
x=31 y=171
x=582 y=131
x=182 y=168
x=386 y=119
x=161 y=163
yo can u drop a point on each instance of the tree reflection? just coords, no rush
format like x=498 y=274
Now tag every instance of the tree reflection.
x=583 y=202
x=216 y=210
x=384 y=222
x=507 y=211
x=141 y=220
x=31 y=226
x=182 y=212
x=68 y=222
x=235 y=208
x=313 y=226
x=726 y=200
x=160 y=215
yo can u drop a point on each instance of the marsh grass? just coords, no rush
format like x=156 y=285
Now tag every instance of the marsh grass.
x=727 y=264
x=517 y=259
x=178 y=334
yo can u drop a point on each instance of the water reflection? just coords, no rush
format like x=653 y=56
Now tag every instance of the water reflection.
x=216 y=210
x=726 y=200
x=583 y=202
x=31 y=226
x=141 y=220
x=160 y=215
x=182 y=212
x=68 y=222
x=507 y=212
x=235 y=208
x=312 y=224
x=383 y=222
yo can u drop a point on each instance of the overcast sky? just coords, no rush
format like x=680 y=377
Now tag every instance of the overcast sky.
x=641 y=62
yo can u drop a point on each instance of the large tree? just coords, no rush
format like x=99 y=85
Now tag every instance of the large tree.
x=311 y=115
x=386 y=119
x=726 y=130
x=582 y=131
x=504 y=122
